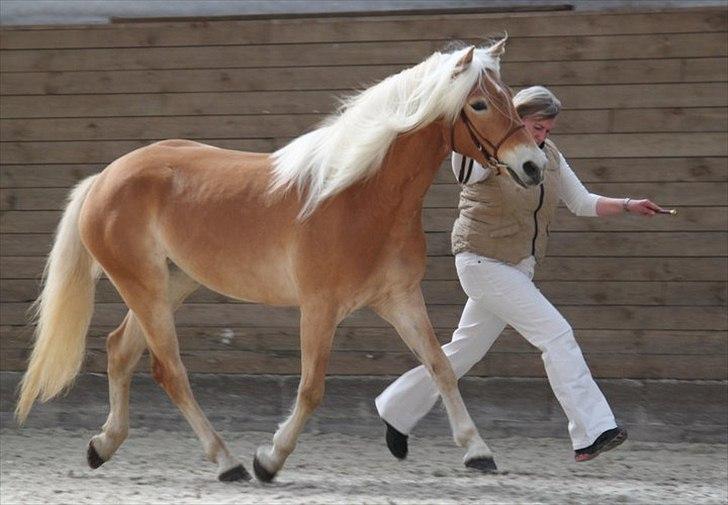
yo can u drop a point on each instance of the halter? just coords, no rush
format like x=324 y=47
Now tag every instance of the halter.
x=492 y=160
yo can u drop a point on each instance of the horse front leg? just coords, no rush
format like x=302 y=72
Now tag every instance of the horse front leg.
x=317 y=331
x=408 y=314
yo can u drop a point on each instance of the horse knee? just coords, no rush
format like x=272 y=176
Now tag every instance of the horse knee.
x=171 y=377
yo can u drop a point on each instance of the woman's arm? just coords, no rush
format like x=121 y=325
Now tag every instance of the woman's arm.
x=583 y=203
x=574 y=194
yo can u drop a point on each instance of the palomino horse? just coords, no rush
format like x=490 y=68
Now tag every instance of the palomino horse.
x=329 y=223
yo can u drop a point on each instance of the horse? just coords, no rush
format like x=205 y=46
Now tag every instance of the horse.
x=330 y=223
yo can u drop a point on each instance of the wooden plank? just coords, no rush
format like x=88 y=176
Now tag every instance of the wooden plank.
x=190 y=80
x=687 y=194
x=704 y=119
x=700 y=69
x=645 y=243
x=613 y=269
x=638 y=95
x=580 y=317
x=655 y=120
x=46 y=176
x=177 y=104
x=349 y=77
x=616 y=145
x=361 y=53
x=667 y=193
x=151 y=128
x=449 y=292
x=271 y=339
x=106 y=151
x=690 y=219
x=695 y=169
x=443 y=268
x=380 y=363
x=647 y=169
x=286 y=31
x=643 y=144
x=598 y=96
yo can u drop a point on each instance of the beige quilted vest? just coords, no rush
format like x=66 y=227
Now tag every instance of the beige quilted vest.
x=500 y=220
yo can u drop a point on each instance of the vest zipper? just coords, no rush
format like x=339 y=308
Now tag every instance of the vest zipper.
x=535 y=222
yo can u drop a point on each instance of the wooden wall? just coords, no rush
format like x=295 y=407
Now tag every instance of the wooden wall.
x=645 y=97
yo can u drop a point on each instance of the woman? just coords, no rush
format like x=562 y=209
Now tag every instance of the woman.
x=498 y=237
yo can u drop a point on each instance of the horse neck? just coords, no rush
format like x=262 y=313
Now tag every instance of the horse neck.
x=409 y=169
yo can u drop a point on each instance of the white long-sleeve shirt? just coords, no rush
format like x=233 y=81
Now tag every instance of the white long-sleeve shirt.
x=571 y=191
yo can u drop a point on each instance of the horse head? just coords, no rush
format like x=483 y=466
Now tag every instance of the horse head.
x=488 y=128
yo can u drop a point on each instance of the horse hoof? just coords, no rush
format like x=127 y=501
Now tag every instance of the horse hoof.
x=261 y=473
x=396 y=442
x=483 y=464
x=235 y=473
x=93 y=458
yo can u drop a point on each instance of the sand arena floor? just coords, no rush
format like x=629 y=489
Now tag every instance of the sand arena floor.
x=48 y=466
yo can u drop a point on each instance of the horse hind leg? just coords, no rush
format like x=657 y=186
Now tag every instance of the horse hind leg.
x=144 y=289
x=125 y=346
x=317 y=332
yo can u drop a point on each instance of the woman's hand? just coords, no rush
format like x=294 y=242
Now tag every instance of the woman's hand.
x=611 y=206
x=642 y=207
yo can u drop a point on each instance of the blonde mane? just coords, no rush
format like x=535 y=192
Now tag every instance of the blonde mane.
x=350 y=145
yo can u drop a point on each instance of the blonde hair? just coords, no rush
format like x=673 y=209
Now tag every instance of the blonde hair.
x=537 y=102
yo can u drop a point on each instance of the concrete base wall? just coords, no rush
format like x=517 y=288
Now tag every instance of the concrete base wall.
x=669 y=411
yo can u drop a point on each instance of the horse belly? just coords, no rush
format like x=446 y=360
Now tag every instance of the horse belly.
x=240 y=249
x=247 y=280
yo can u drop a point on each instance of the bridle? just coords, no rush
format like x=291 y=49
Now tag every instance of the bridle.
x=479 y=139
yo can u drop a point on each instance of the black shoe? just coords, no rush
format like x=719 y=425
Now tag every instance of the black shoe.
x=604 y=442
x=396 y=442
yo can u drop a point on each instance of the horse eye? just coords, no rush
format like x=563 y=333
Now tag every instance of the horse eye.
x=479 y=105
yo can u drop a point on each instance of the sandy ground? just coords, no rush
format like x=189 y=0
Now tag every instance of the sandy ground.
x=48 y=466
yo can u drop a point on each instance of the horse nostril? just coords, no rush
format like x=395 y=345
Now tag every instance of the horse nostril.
x=531 y=170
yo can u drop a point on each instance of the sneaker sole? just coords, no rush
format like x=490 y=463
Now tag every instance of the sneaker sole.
x=616 y=441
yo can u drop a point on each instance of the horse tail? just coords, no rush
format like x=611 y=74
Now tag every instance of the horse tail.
x=62 y=312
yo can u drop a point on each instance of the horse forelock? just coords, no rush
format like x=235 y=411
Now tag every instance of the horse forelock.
x=350 y=145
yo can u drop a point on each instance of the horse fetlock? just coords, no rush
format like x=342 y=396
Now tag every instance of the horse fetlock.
x=478 y=451
x=229 y=468
x=283 y=445
x=265 y=464
x=467 y=437
x=105 y=445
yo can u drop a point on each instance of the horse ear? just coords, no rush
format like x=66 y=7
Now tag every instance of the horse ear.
x=497 y=49
x=464 y=62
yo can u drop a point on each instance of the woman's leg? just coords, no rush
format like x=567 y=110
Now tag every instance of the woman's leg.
x=412 y=396
x=511 y=295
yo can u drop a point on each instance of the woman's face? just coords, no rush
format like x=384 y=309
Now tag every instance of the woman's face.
x=539 y=128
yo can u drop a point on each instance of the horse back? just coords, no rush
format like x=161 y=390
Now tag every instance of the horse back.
x=206 y=209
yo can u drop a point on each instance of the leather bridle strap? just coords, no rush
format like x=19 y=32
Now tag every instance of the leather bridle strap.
x=478 y=139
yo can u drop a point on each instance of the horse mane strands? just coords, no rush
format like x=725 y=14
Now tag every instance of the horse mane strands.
x=350 y=145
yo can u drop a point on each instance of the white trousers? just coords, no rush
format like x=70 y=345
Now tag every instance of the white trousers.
x=500 y=294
